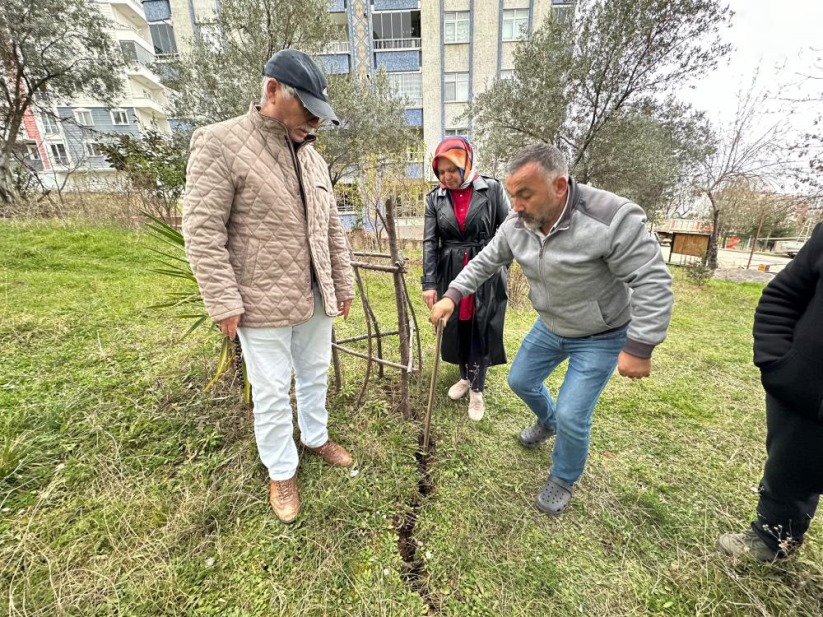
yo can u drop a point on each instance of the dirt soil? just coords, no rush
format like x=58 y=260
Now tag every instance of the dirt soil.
x=741 y=275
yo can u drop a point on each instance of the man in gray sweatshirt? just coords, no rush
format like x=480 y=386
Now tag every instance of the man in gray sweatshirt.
x=602 y=293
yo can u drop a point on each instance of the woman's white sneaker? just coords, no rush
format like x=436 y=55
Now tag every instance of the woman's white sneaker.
x=476 y=406
x=459 y=390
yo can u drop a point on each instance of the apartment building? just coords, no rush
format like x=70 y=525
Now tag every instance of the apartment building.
x=63 y=137
x=438 y=54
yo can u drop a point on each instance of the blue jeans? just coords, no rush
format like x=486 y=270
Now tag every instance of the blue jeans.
x=592 y=360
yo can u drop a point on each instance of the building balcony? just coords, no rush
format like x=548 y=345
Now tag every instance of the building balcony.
x=33 y=164
x=395 y=5
x=128 y=34
x=336 y=47
x=147 y=103
x=148 y=100
x=395 y=44
x=131 y=9
x=335 y=64
x=398 y=60
x=143 y=76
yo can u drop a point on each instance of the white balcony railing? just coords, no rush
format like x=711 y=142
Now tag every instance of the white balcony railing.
x=135 y=6
x=121 y=26
x=337 y=47
x=390 y=44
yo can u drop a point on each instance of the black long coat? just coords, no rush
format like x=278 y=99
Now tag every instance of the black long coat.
x=443 y=248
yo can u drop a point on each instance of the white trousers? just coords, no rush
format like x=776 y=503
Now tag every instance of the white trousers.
x=271 y=354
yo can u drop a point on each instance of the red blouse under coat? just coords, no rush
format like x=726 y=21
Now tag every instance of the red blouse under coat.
x=461 y=198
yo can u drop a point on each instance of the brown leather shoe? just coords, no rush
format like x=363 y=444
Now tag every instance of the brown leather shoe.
x=284 y=499
x=332 y=453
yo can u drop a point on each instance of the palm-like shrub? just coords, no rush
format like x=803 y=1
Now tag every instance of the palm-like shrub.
x=187 y=302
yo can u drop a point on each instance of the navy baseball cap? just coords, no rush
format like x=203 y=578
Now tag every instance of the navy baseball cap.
x=297 y=70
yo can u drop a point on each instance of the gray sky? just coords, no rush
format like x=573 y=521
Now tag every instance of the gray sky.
x=780 y=38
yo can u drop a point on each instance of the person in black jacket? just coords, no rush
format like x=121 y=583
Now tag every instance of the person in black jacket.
x=462 y=216
x=788 y=349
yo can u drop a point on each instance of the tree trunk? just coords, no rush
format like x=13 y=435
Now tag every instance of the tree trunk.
x=8 y=191
x=402 y=311
x=8 y=188
x=756 y=238
x=711 y=257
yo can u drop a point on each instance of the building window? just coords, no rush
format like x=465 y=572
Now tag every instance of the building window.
x=408 y=86
x=32 y=152
x=119 y=117
x=347 y=199
x=92 y=148
x=563 y=10
x=515 y=24
x=49 y=125
x=162 y=35
x=59 y=154
x=396 y=30
x=457 y=87
x=456 y=27
x=157 y=9
x=83 y=117
x=417 y=150
x=454 y=132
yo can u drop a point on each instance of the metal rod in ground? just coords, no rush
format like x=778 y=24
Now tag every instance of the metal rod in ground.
x=427 y=425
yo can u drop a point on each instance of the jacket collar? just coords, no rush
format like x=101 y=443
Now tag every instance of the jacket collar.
x=479 y=198
x=479 y=184
x=272 y=126
x=574 y=200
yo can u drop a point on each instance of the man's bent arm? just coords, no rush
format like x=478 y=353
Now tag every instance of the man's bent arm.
x=636 y=260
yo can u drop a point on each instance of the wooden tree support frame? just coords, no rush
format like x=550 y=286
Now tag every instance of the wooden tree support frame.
x=407 y=329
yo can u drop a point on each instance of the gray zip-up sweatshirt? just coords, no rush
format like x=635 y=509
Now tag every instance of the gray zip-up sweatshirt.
x=599 y=269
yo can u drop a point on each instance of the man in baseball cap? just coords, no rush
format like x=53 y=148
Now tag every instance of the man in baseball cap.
x=265 y=243
x=296 y=69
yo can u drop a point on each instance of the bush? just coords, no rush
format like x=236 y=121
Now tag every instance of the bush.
x=699 y=273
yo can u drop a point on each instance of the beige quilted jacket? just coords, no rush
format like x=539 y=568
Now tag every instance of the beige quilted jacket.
x=245 y=224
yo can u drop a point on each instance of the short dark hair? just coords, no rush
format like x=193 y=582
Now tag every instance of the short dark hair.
x=550 y=159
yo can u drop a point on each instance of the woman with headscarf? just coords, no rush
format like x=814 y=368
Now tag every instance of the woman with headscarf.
x=462 y=216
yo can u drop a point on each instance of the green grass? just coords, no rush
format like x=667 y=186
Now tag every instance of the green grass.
x=125 y=489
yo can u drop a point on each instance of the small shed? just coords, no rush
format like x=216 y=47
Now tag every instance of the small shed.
x=692 y=243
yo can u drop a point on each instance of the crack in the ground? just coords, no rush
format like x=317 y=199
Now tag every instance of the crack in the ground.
x=415 y=575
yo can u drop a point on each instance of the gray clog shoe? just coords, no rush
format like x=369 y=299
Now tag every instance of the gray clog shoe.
x=554 y=496
x=536 y=434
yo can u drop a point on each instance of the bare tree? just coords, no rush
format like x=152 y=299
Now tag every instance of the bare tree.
x=751 y=149
x=59 y=47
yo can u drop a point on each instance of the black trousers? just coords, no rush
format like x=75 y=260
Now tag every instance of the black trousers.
x=473 y=366
x=792 y=478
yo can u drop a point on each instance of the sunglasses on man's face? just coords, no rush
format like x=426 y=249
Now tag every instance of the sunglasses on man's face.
x=310 y=117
